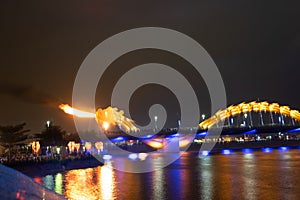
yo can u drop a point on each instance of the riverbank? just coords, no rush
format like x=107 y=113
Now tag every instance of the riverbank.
x=54 y=166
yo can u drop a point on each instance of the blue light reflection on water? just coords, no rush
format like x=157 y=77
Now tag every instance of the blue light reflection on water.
x=173 y=175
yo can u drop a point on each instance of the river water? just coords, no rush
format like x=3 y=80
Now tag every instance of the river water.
x=247 y=174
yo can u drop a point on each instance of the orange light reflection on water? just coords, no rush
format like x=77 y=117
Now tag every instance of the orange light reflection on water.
x=107 y=181
x=88 y=184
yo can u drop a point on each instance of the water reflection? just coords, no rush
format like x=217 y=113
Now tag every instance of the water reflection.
x=249 y=176
x=48 y=182
x=92 y=183
x=80 y=184
x=59 y=183
x=106 y=182
x=158 y=184
x=241 y=175
x=206 y=177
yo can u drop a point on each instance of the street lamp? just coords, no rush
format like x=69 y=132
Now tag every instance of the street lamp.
x=48 y=123
x=203 y=116
x=155 y=120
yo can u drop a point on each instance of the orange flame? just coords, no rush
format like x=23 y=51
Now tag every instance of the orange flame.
x=104 y=117
x=78 y=113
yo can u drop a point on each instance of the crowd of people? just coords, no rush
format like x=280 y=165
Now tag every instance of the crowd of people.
x=15 y=157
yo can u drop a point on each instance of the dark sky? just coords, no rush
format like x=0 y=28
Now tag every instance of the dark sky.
x=255 y=44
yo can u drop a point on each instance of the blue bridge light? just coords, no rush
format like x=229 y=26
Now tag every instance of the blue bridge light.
x=247 y=151
x=174 y=135
x=251 y=132
x=226 y=151
x=204 y=153
x=147 y=136
x=118 y=139
x=267 y=150
x=294 y=130
x=201 y=134
x=283 y=149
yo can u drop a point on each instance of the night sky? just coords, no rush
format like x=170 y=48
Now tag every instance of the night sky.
x=255 y=45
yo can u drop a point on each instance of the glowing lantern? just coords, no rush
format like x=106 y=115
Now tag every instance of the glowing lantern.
x=99 y=146
x=58 y=150
x=77 y=146
x=35 y=147
x=71 y=146
x=88 y=146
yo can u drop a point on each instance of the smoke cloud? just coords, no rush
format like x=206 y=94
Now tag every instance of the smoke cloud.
x=29 y=94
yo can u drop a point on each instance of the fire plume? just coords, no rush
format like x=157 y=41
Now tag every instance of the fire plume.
x=105 y=117
x=76 y=112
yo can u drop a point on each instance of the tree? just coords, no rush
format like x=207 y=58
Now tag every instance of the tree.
x=52 y=136
x=11 y=135
x=72 y=137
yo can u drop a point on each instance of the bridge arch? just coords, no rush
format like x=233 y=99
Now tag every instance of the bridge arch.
x=278 y=114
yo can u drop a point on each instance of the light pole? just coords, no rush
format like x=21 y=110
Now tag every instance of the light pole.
x=48 y=123
x=155 y=121
x=245 y=119
x=250 y=117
